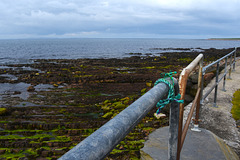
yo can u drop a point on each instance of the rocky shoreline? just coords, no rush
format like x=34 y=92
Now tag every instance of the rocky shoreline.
x=50 y=105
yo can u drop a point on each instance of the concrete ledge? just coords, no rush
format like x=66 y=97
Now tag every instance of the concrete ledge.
x=198 y=146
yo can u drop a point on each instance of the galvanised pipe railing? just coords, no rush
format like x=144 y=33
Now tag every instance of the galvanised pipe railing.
x=199 y=95
x=218 y=79
x=100 y=143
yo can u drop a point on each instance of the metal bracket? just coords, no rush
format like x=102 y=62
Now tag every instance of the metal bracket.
x=224 y=90
x=195 y=128
x=215 y=105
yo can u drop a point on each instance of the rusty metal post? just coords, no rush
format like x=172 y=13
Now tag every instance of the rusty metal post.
x=195 y=128
x=216 y=87
x=181 y=110
x=185 y=129
x=202 y=86
x=182 y=86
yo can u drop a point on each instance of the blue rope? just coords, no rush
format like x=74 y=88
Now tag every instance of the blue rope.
x=171 y=94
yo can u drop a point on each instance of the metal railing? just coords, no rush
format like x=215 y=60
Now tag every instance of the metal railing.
x=232 y=62
x=198 y=61
x=199 y=97
x=100 y=143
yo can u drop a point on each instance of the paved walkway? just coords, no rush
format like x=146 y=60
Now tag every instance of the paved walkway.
x=217 y=122
x=202 y=145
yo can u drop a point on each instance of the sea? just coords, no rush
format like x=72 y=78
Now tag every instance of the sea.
x=25 y=50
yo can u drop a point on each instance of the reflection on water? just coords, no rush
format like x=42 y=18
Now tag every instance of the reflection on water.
x=20 y=89
x=9 y=77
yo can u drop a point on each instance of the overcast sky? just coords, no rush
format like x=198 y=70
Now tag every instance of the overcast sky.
x=119 y=18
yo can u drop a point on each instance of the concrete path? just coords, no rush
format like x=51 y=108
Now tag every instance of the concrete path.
x=202 y=145
x=220 y=129
x=219 y=120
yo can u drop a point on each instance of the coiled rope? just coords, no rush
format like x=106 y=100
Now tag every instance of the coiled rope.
x=171 y=94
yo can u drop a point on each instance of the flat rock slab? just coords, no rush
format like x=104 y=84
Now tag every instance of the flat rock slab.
x=202 y=145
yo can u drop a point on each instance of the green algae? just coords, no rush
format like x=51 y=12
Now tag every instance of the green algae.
x=12 y=156
x=4 y=122
x=236 y=105
x=18 y=154
x=108 y=115
x=143 y=91
x=153 y=67
x=12 y=137
x=112 y=107
x=187 y=59
x=166 y=67
x=2 y=111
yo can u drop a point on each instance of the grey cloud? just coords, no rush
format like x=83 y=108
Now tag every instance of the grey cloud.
x=79 y=17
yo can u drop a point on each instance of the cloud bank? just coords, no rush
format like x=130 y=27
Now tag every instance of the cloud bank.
x=119 y=18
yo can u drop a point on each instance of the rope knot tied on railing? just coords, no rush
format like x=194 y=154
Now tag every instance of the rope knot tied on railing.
x=171 y=94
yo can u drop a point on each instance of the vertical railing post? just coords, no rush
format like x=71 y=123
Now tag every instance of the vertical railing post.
x=234 y=61
x=202 y=86
x=182 y=85
x=216 y=88
x=173 y=127
x=195 y=128
x=225 y=73
x=230 y=69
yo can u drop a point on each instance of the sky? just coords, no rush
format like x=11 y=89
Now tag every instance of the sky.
x=188 y=19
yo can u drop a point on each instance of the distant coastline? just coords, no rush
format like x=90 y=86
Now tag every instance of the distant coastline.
x=229 y=39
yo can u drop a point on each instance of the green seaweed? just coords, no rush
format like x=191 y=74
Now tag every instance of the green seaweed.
x=2 y=111
x=187 y=59
x=12 y=137
x=108 y=115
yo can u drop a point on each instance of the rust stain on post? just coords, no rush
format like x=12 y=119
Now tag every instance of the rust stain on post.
x=182 y=87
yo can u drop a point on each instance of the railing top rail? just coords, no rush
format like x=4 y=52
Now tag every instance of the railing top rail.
x=194 y=63
x=186 y=72
x=229 y=54
x=99 y=144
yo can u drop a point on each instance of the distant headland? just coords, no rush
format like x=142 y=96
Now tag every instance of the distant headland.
x=230 y=39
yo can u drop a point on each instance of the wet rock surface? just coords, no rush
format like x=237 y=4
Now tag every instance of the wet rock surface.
x=70 y=99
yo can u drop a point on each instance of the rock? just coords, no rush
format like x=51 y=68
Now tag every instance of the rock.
x=59 y=152
x=194 y=78
x=2 y=151
x=188 y=98
x=193 y=90
x=31 y=89
x=16 y=150
x=17 y=92
x=208 y=77
x=45 y=153
x=23 y=158
x=40 y=158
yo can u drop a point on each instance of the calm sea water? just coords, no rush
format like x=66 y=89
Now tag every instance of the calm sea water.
x=20 y=51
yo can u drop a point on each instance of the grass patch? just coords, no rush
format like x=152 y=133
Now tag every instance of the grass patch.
x=236 y=105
